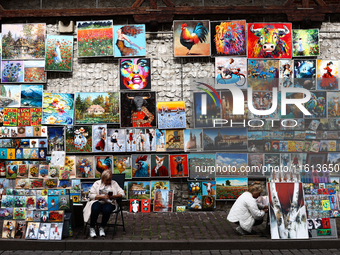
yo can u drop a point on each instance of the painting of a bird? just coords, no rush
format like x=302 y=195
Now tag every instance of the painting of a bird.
x=189 y=39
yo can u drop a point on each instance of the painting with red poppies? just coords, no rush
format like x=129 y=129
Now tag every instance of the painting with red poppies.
x=270 y=40
x=34 y=71
x=59 y=52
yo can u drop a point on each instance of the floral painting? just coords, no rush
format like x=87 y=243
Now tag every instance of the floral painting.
x=84 y=167
x=129 y=40
x=34 y=71
x=23 y=41
x=95 y=38
x=59 y=53
x=58 y=109
x=12 y=71
x=95 y=108
x=230 y=188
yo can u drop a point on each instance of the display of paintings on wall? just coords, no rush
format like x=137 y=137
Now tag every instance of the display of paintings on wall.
x=171 y=114
x=102 y=163
x=263 y=74
x=122 y=165
x=231 y=70
x=286 y=74
x=231 y=164
x=160 y=166
x=228 y=38
x=174 y=140
x=135 y=73
x=96 y=108
x=327 y=74
x=59 y=53
x=99 y=134
x=225 y=139
x=34 y=71
x=139 y=190
x=58 y=108
x=23 y=41
x=306 y=43
x=84 y=167
x=333 y=105
x=206 y=107
x=191 y=38
x=141 y=165
x=261 y=44
x=139 y=109
x=193 y=140
x=10 y=96
x=305 y=74
x=129 y=40
x=78 y=138
x=201 y=166
x=95 y=38
x=287 y=200
x=155 y=185
x=230 y=187
x=179 y=165
x=163 y=201
x=31 y=95
x=116 y=140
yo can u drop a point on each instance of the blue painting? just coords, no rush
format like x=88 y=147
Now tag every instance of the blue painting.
x=31 y=95
x=58 y=109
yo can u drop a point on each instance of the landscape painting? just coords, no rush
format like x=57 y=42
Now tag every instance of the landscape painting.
x=95 y=108
x=10 y=95
x=138 y=190
x=31 y=95
x=230 y=188
x=58 y=108
x=129 y=40
x=306 y=43
x=55 y=139
x=34 y=71
x=59 y=53
x=95 y=38
x=23 y=41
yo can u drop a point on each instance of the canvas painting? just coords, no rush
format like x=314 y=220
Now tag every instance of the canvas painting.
x=55 y=139
x=305 y=74
x=193 y=140
x=59 y=53
x=10 y=95
x=317 y=105
x=32 y=230
x=191 y=38
x=139 y=109
x=159 y=165
x=78 y=138
x=31 y=95
x=262 y=45
x=155 y=185
x=179 y=166
x=134 y=205
x=201 y=166
x=84 y=167
x=228 y=38
x=231 y=164
x=135 y=73
x=286 y=73
x=163 y=201
x=224 y=139
x=122 y=165
x=138 y=190
x=20 y=230
x=85 y=191
x=327 y=74
x=141 y=165
x=171 y=114
x=95 y=38
x=102 y=163
x=206 y=109
x=263 y=74
x=195 y=202
x=12 y=71
x=23 y=41
x=306 y=43
x=34 y=71
x=174 y=140
x=58 y=108
x=56 y=216
x=99 y=134
x=230 y=70
x=56 y=231
x=129 y=40
x=96 y=108
x=286 y=202
x=10 y=117
x=145 y=205
x=8 y=230
x=333 y=104
x=116 y=140
x=230 y=188
x=131 y=139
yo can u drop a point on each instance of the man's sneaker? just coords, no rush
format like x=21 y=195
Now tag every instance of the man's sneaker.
x=93 y=233
x=241 y=231
x=101 y=231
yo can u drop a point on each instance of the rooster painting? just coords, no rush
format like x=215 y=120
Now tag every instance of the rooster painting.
x=142 y=166
x=191 y=35
x=102 y=165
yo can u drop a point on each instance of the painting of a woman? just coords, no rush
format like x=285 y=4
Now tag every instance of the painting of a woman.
x=57 y=55
x=135 y=73
x=130 y=40
x=328 y=79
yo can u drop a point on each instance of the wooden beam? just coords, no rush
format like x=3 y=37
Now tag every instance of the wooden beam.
x=153 y=4
x=305 y=3
x=138 y=3
x=289 y=3
x=168 y=3
x=320 y=2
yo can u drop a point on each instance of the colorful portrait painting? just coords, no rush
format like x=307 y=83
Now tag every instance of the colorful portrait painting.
x=95 y=38
x=78 y=138
x=23 y=41
x=228 y=38
x=10 y=96
x=306 y=42
x=263 y=74
x=171 y=114
x=230 y=188
x=305 y=74
x=135 y=73
x=99 y=134
x=191 y=38
x=58 y=108
x=129 y=40
x=262 y=101
x=138 y=109
x=159 y=165
x=286 y=202
x=230 y=70
x=327 y=74
x=96 y=108
x=12 y=71
x=333 y=104
x=270 y=40
x=31 y=95
x=34 y=71
x=59 y=53
x=179 y=166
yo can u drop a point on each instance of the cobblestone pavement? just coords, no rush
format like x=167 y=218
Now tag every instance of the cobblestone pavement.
x=178 y=252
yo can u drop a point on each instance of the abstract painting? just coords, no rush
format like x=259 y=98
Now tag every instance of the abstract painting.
x=263 y=74
x=59 y=53
x=58 y=108
x=306 y=43
x=135 y=73
x=129 y=40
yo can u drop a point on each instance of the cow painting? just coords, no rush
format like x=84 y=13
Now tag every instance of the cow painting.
x=269 y=40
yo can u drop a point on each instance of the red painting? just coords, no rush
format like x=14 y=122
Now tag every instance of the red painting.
x=179 y=166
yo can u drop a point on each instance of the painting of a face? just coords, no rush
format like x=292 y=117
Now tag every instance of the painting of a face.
x=262 y=100
x=135 y=73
